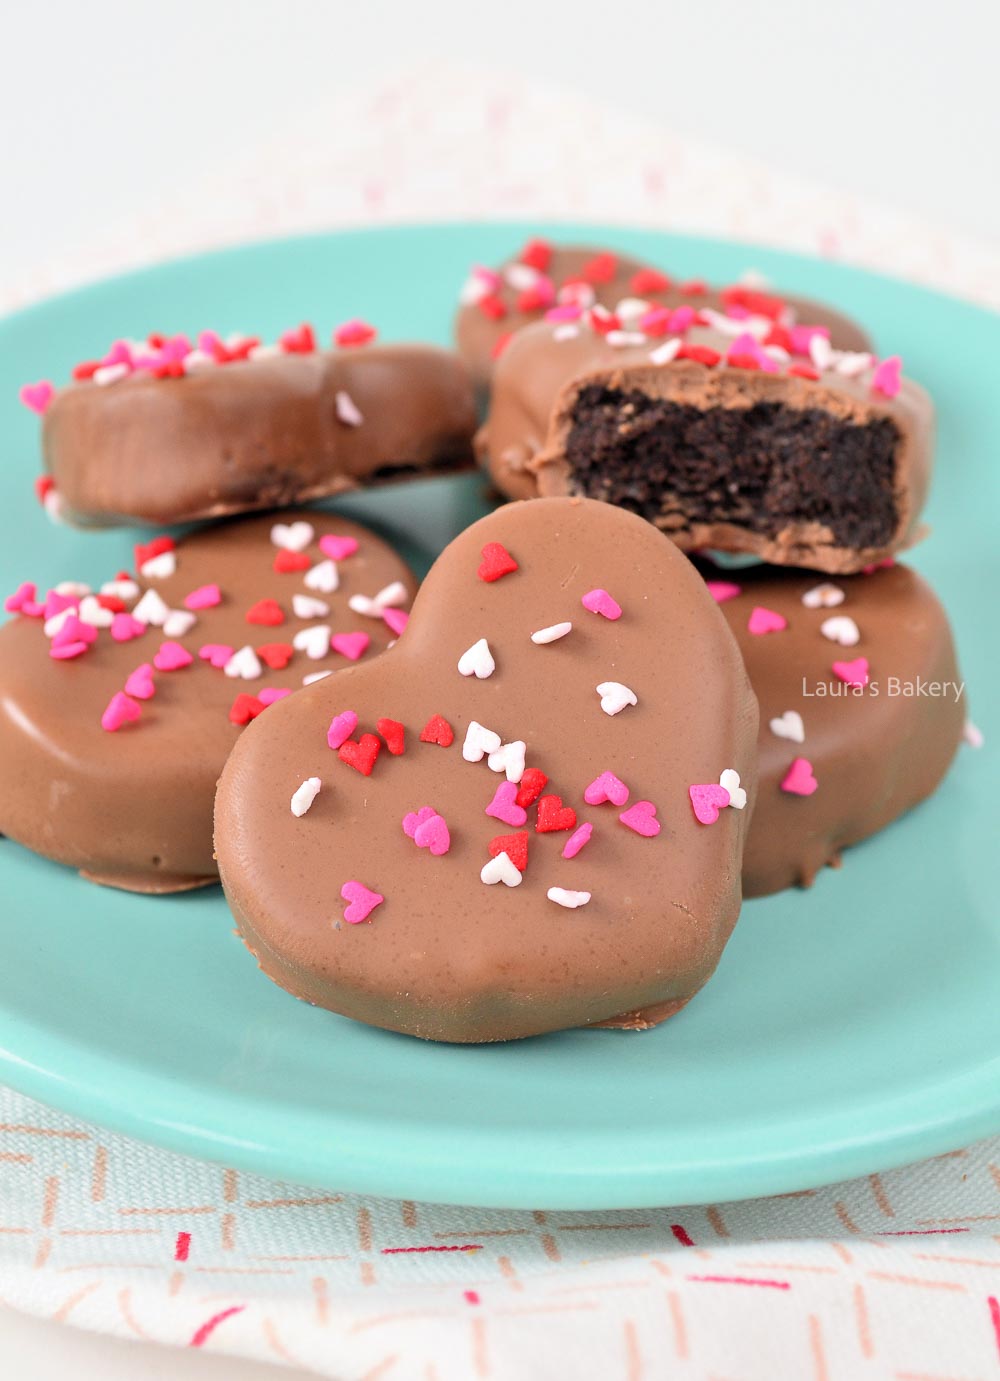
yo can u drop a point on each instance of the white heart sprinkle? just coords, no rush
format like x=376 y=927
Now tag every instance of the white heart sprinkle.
x=347 y=410
x=259 y=352
x=973 y=735
x=841 y=629
x=666 y=352
x=392 y=595
x=630 y=309
x=730 y=781
x=825 y=596
x=53 y=506
x=509 y=758
x=478 y=742
x=521 y=277
x=151 y=609
x=851 y=363
x=566 y=330
x=93 y=613
x=53 y=625
x=159 y=567
x=313 y=641
x=552 y=633
x=306 y=607
x=304 y=795
x=500 y=869
x=73 y=589
x=178 y=622
x=615 y=696
x=292 y=536
x=245 y=664
x=621 y=340
x=110 y=373
x=821 y=352
x=562 y=897
x=315 y=676
x=477 y=661
x=121 y=589
x=790 y=726
x=324 y=577
x=201 y=359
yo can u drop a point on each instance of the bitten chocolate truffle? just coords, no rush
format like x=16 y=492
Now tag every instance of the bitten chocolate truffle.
x=166 y=431
x=528 y=814
x=726 y=438
x=862 y=708
x=118 y=706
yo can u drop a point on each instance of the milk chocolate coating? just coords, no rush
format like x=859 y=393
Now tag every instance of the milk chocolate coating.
x=538 y=386
x=255 y=434
x=478 y=335
x=133 y=809
x=446 y=957
x=874 y=755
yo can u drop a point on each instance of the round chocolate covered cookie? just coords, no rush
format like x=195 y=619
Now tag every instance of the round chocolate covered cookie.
x=118 y=706
x=861 y=708
x=528 y=815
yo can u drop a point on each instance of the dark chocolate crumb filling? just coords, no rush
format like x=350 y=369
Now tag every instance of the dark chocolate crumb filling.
x=765 y=468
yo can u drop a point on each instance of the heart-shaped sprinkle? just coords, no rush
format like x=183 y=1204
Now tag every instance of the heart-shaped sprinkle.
x=799 y=779
x=290 y=562
x=307 y=607
x=504 y=806
x=205 y=597
x=73 y=629
x=244 y=708
x=615 y=696
x=841 y=629
x=276 y=655
x=121 y=710
x=56 y=603
x=159 y=567
x=641 y=817
x=360 y=755
x=245 y=664
x=124 y=628
x=553 y=816
x=497 y=561
x=721 y=590
x=38 y=396
x=433 y=835
x=172 y=657
x=218 y=654
x=347 y=410
x=122 y=587
x=350 y=645
x=707 y=801
x=606 y=787
x=730 y=783
x=515 y=846
x=438 y=730
x=414 y=818
x=362 y=901
x=293 y=536
x=533 y=783
x=763 y=621
x=887 y=377
x=600 y=602
x=852 y=673
x=500 y=869
x=396 y=593
x=551 y=634
x=266 y=611
x=23 y=599
x=179 y=622
x=304 y=795
x=396 y=619
x=145 y=551
x=477 y=661
x=509 y=758
x=790 y=726
x=341 y=728
x=269 y=695
x=95 y=613
x=140 y=684
x=151 y=609
x=394 y=734
x=313 y=641
x=825 y=596
x=577 y=840
x=337 y=548
x=571 y=900
x=478 y=742
x=323 y=577
x=66 y=651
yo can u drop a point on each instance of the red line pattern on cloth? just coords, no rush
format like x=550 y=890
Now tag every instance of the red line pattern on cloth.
x=742 y=1280
x=202 y=1334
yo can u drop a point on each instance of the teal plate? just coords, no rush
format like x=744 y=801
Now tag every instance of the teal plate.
x=849 y=1028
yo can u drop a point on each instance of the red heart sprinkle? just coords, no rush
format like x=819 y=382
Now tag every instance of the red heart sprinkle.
x=601 y=269
x=112 y=602
x=267 y=611
x=533 y=783
x=437 y=730
x=648 y=281
x=288 y=561
x=145 y=551
x=537 y=254
x=244 y=708
x=360 y=755
x=553 y=815
x=515 y=846
x=44 y=485
x=497 y=562
x=276 y=655
x=393 y=733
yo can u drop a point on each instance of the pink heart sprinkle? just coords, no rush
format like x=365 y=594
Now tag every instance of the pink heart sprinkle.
x=707 y=801
x=205 y=597
x=38 y=396
x=397 y=619
x=140 y=683
x=74 y=630
x=55 y=603
x=65 y=651
x=341 y=728
x=681 y=319
x=218 y=654
x=799 y=779
x=124 y=628
x=642 y=818
x=122 y=709
x=721 y=590
x=853 y=673
x=606 y=787
x=802 y=337
x=886 y=379
x=172 y=657
x=504 y=805
x=415 y=818
x=433 y=834
x=22 y=599
x=337 y=548
x=766 y=621
x=577 y=839
x=568 y=311
x=600 y=602
x=362 y=901
x=269 y=694
x=350 y=645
